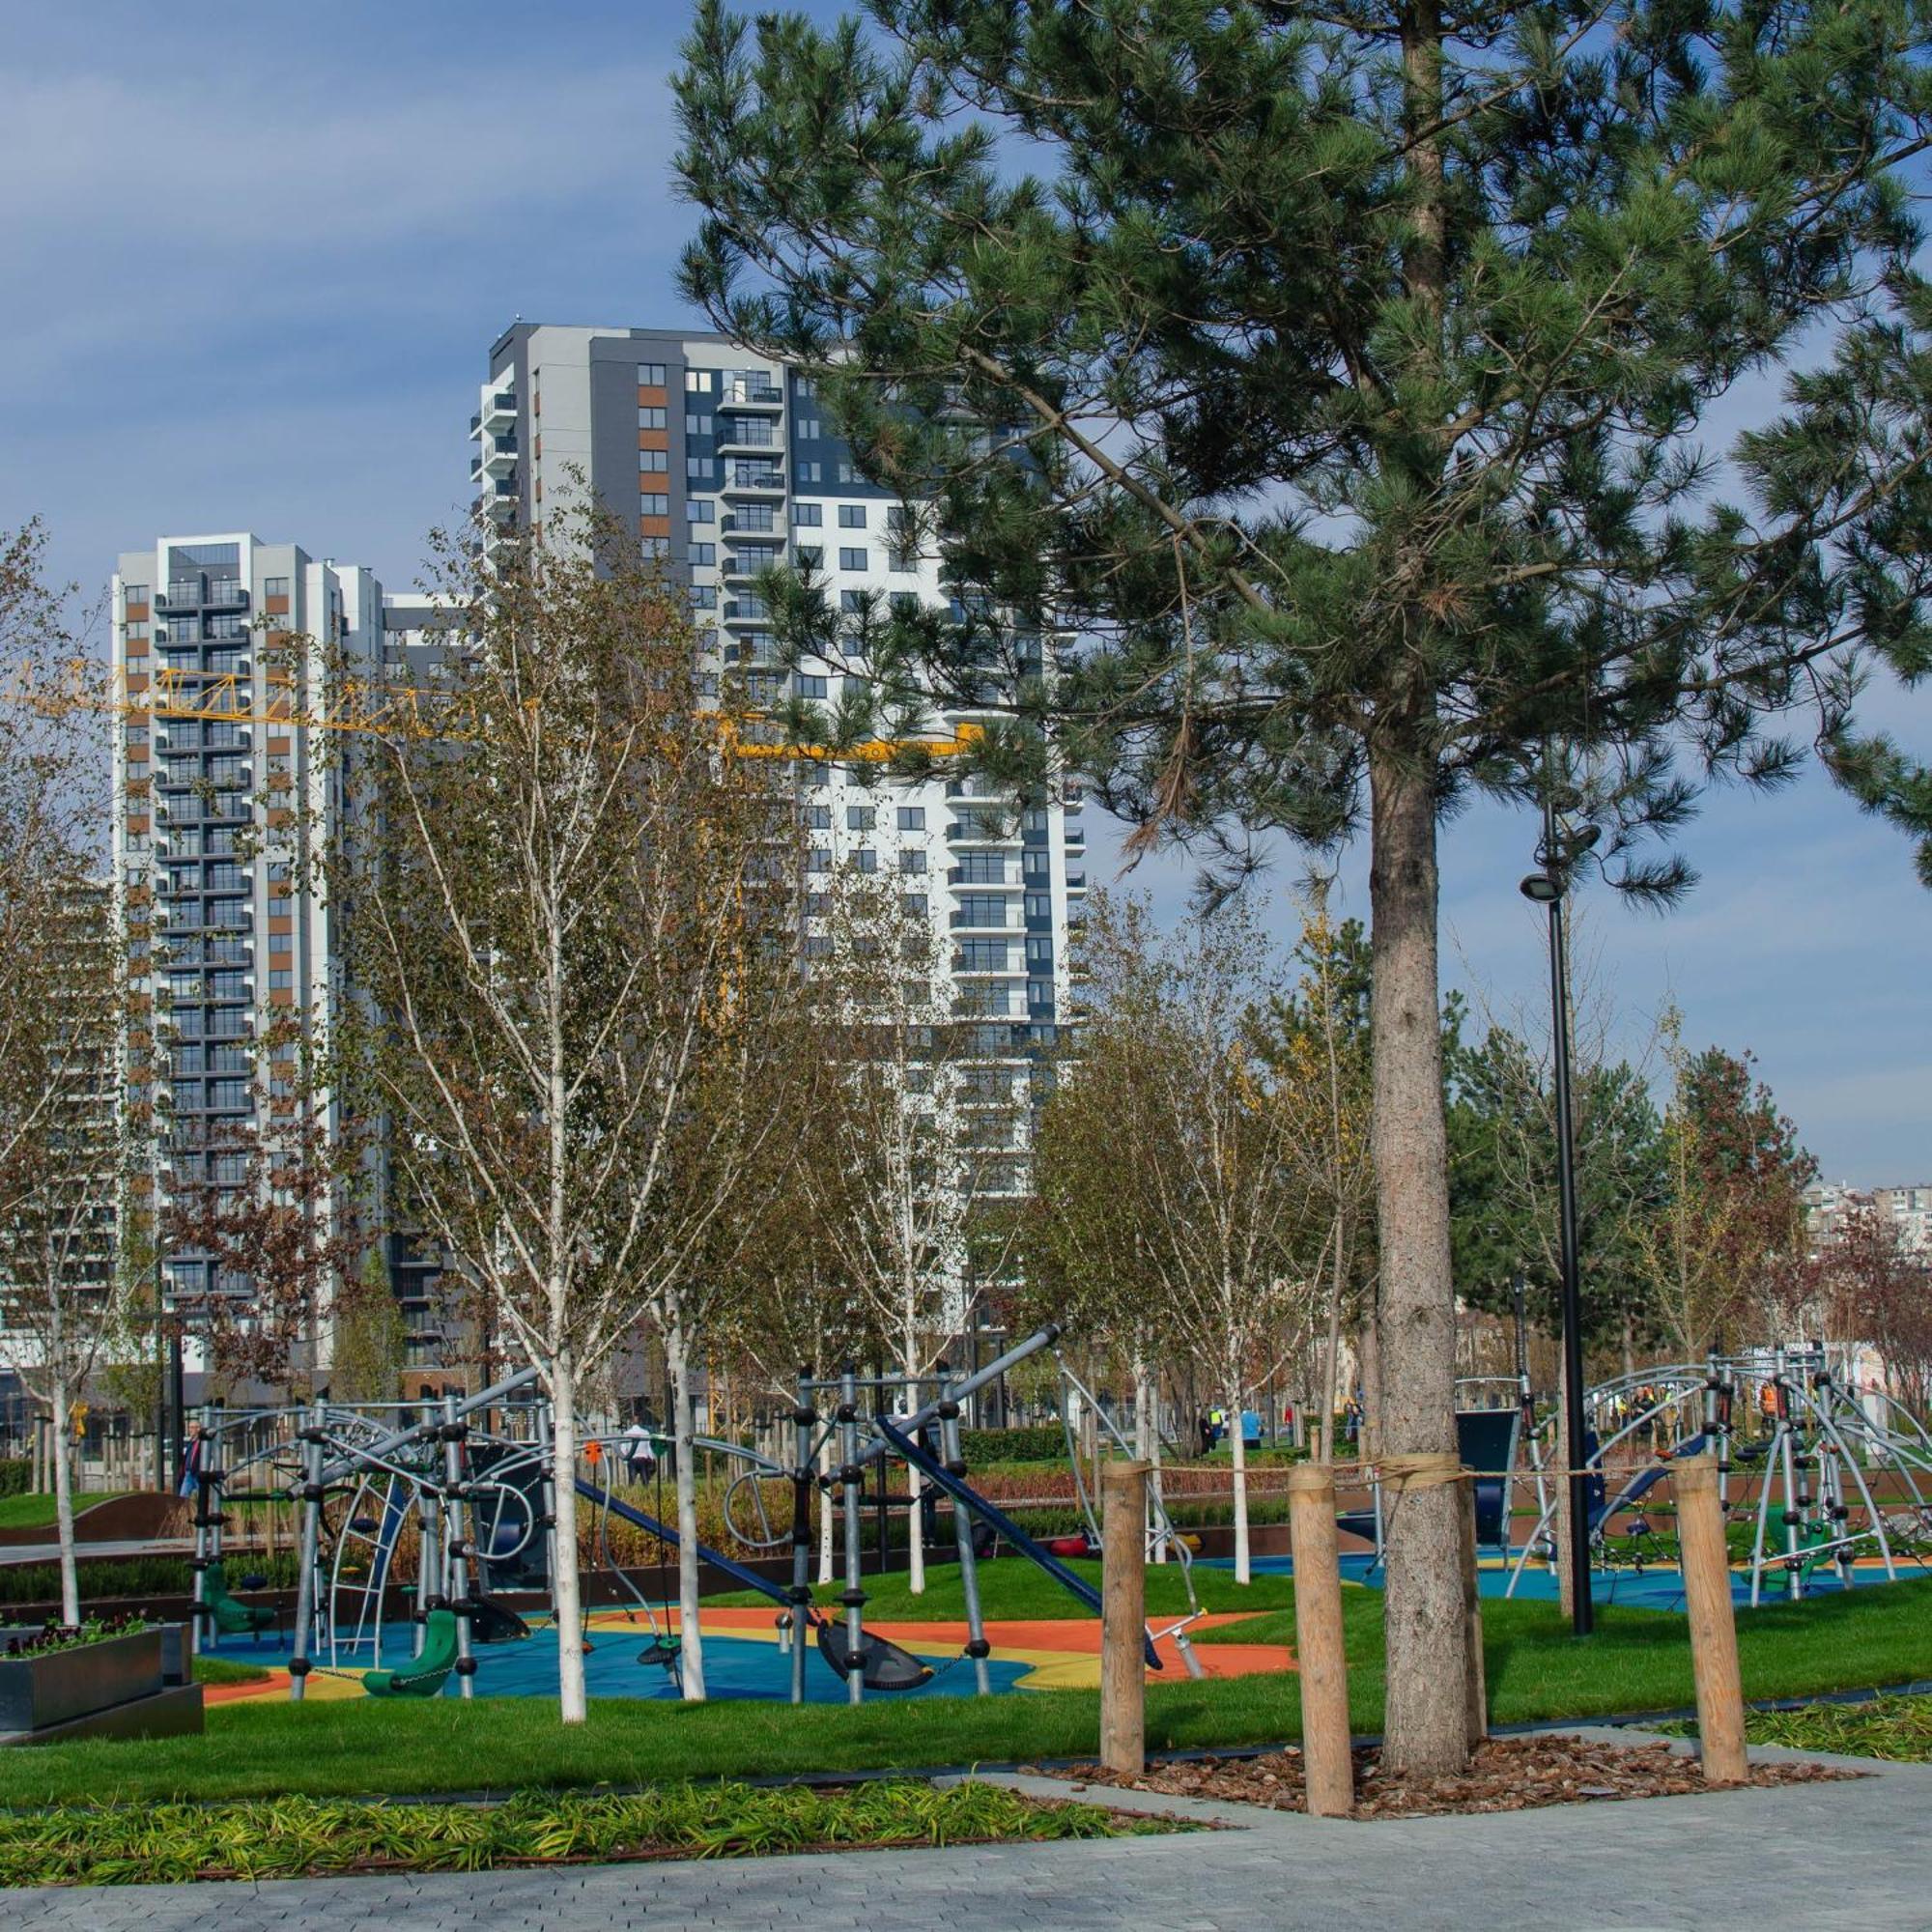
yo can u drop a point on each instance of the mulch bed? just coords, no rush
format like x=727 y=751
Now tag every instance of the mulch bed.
x=1504 y=1775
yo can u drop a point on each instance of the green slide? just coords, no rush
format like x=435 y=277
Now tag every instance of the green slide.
x=232 y=1618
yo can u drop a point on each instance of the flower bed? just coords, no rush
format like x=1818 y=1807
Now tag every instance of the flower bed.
x=99 y=1681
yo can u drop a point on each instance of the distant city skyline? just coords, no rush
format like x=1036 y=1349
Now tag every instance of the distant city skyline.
x=257 y=301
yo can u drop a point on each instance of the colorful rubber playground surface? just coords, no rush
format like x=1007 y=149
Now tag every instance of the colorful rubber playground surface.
x=744 y=1658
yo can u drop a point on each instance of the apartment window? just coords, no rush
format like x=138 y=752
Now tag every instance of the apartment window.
x=912 y=818
x=808 y=515
x=811 y=685
x=281 y=979
x=809 y=428
x=700 y=382
x=138 y=628
x=707 y=684
x=281 y=908
x=981 y=909
x=912 y=862
x=818 y=817
x=227 y=625
x=853 y=559
x=851 y=516
x=698 y=510
x=983 y=955
x=1039 y=905
x=751 y=517
x=658 y=460
x=811 y=472
x=704 y=596
x=846 y=473
x=860 y=817
x=693 y=425
x=652 y=416
x=652 y=505
x=702 y=553
x=818 y=946
x=805 y=387
x=810 y=556
x=913 y=904
x=1040 y=955
x=650 y=375
x=818 y=860
x=817 y=905
x=133 y=593
x=654 y=547
x=866 y=859
x=753 y=557
x=700 y=470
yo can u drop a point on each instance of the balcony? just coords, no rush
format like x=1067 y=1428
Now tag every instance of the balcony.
x=499 y=455
x=1009 y=921
x=500 y=501
x=1076 y=882
x=962 y=971
x=498 y=413
x=754 y=557
x=976 y=831
x=1005 y=879
x=753 y=479
x=748 y=433
x=753 y=395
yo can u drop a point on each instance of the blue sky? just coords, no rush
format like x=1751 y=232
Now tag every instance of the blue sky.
x=257 y=254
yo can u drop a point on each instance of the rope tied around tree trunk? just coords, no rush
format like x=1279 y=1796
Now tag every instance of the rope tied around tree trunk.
x=1429 y=1469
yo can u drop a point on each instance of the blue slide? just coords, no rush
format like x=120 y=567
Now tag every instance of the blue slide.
x=970 y=1498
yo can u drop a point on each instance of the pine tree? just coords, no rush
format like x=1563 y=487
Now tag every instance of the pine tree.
x=1350 y=379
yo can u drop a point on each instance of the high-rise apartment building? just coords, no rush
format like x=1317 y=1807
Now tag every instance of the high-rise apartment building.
x=227 y=942
x=724 y=462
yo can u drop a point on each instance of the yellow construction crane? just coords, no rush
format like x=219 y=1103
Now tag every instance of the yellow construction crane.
x=352 y=704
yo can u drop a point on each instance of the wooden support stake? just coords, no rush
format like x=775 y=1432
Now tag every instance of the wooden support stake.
x=1122 y=1617
x=1714 y=1630
x=1320 y=1659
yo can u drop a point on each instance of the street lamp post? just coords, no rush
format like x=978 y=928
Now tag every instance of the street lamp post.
x=1548 y=888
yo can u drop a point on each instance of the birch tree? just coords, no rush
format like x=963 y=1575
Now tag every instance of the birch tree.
x=1206 y=1144
x=568 y=945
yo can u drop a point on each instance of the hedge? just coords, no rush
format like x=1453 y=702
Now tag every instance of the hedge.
x=1044 y=1442
x=17 y=1476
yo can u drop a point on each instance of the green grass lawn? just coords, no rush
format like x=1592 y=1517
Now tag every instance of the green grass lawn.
x=1897 y=1728
x=1638 y=1660
x=35 y=1511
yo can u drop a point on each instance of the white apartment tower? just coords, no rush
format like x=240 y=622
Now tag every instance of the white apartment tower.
x=727 y=466
x=227 y=938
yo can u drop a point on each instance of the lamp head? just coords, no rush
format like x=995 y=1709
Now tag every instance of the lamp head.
x=1543 y=886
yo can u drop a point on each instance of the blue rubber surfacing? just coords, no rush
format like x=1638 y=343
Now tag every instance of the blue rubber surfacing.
x=735 y=1667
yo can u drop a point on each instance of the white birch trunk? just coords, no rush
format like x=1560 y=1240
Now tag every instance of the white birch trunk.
x=825 y=1514
x=683 y=1430
x=914 y=1485
x=567 y=1587
x=61 y=1455
x=1237 y=1437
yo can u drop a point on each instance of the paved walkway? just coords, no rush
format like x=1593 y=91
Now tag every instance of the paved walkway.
x=1818 y=1856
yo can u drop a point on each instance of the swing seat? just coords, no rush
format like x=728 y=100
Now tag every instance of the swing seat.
x=422 y=1676
x=882 y=1665
x=663 y=1651
x=232 y=1618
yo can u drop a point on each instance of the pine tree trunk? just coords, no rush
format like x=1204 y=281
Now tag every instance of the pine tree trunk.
x=683 y=1430
x=60 y=1453
x=567 y=1586
x=1428 y=1660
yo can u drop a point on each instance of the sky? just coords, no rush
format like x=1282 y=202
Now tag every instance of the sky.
x=257 y=254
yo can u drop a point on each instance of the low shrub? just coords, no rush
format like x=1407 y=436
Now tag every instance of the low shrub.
x=295 y=1838
x=1044 y=1442
x=17 y=1476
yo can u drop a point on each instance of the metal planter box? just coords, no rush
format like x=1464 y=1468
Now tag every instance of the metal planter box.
x=37 y=1693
